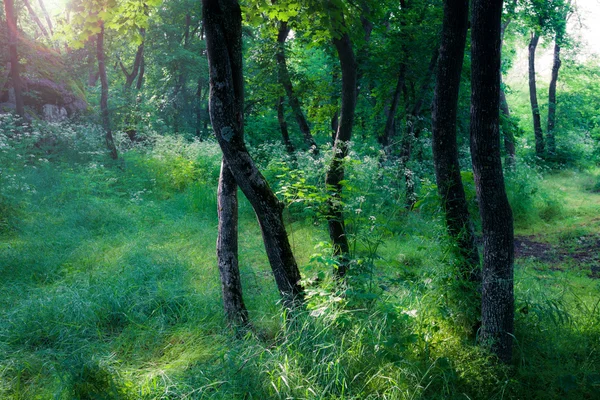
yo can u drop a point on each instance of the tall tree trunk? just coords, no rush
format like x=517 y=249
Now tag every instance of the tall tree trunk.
x=535 y=110
x=15 y=76
x=550 y=139
x=286 y=82
x=227 y=249
x=110 y=142
x=223 y=29
x=283 y=126
x=445 y=147
x=36 y=19
x=47 y=16
x=335 y=173
x=508 y=131
x=497 y=305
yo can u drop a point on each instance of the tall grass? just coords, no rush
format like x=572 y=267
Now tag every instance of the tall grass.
x=110 y=289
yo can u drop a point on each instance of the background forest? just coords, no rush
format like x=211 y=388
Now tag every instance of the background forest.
x=109 y=180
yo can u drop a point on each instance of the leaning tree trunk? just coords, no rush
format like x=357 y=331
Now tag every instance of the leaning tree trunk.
x=227 y=249
x=36 y=19
x=445 y=147
x=15 y=76
x=497 y=306
x=335 y=173
x=223 y=29
x=550 y=138
x=286 y=82
x=47 y=16
x=535 y=110
x=110 y=142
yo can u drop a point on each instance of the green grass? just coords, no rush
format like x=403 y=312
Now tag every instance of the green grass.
x=110 y=291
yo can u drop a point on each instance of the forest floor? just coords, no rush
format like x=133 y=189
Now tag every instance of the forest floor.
x=110 y=291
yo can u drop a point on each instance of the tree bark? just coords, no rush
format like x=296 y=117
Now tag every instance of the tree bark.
x=445 y=147
x=283 y=126
x=47 y=16
x=550 y=139
x=286 y=82
x=227 y=249
x=535 y=110
x=335 y=173
x=15 y=76
x=222 y=24
x=110 y=142
x=497 y=306
x=36 y=19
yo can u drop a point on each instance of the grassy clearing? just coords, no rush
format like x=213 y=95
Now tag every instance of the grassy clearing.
x=110 y=289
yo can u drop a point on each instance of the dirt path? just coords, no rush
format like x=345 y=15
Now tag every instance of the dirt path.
x=582 y=252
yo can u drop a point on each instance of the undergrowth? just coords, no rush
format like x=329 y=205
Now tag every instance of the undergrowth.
x=110 y=289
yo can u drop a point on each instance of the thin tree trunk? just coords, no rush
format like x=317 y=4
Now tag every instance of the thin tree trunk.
x=137 y=63
x=223 y=28
x=227 y=249
x=11 y=22
x=509 y=137
x=445 y=147
x=110 y=142
x=335 y=173
x=199 y=108
x=535 y=110
x=286 y=82
x=497 y=306
x=140 y=79
x=390 y=123
x=47 y=16
x=550 y=139
x=283 y=126
x=36 y=19
x=412 y=134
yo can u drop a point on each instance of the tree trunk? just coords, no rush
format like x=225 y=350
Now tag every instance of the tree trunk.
x=227 y=249
x=390 y=123
x=137 y=63
x=47 y=16
x=508 y=131
x=286 y=82
x=110 y=142
x=535 y=110
x=445 y=147
x=412 y=134
x=335 y=174
x=223 y=28
x=550 y=139
x=283 y=126
x=15 y=76
x=36 y=19
x=497 y=310
x=140 y=79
